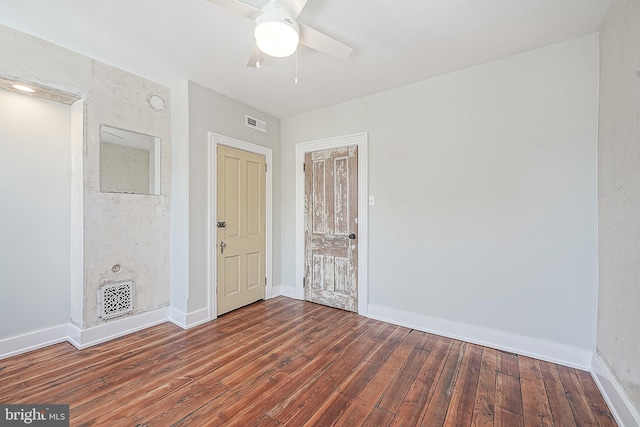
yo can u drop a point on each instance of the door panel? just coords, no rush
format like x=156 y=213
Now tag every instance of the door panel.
x=241 y=244
x=331 y=197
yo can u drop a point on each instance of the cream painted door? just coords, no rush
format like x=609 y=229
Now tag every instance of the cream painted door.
x=331 y=227
x=241 y=226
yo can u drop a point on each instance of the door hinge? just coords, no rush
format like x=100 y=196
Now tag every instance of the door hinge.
x=304 y=282
x=265 y=281
x=266 y=167
x=304 y=167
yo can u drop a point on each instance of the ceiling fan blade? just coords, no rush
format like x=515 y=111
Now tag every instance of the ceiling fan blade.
x=239 y=8
x=293 y=6
x=252 y=63
x=323 y=43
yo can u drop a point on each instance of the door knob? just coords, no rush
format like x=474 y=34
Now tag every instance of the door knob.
x=222 y=246
x=352 y=236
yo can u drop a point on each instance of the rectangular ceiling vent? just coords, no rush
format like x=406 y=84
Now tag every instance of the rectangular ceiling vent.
x=254 y=123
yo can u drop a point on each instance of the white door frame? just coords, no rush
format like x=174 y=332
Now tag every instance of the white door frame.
x=360 y=140
x=212 y=229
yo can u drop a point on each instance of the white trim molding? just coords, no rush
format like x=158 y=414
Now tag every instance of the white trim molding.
x=214 y=141
x=33 y=341
x=188 y=320
x=83 y=338
x=287 y=291
x=549 y=351
x=361 y=141
x=620 y=405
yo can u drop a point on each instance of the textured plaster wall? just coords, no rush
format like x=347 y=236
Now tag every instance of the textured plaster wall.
x=485 y=193
x=108 y=229
x=618 y=339
x=127 y=229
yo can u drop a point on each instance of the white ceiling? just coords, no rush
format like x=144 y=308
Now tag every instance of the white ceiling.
x=395 y=42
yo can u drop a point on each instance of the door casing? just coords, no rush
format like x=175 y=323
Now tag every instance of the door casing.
x=360 y=140
x=212 y=229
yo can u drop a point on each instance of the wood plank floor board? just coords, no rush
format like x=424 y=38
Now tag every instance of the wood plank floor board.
x=303 y=408
x=282 y=354
x=417 y=399
x=535 y=402
x=294 y=361
x=596 y=401
x=367 y=399
x=558 y=402
x=461 y=406
x=378 y=418
x=334 y=407
x=48 y=374
x=300 y=407
x=106 y=367
x=577 y=397
x=441 y=392
x=288 y=362
x=212 y=367
x=484 y=409
x=508 y=409
x=296 y=378
x=395 y=394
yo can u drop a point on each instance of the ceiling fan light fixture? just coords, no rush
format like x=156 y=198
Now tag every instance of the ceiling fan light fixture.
x=277 y=33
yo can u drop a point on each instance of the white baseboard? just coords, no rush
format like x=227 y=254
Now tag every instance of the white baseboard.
x=32 y=341
x=287 y=291
x=561 y=354
x=178 y=317
x=188 y=320
x=614 y=394
x=275 y=291
x=83 y=338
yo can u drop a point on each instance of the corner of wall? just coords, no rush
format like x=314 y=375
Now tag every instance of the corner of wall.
x=621 y=406
x=189 y=320
x=282 y=290
x=179 y=218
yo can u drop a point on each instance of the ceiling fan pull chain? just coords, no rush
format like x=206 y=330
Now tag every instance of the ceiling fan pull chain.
x=295 y=81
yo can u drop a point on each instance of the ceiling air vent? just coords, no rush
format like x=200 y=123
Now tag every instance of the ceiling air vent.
x=254 y=123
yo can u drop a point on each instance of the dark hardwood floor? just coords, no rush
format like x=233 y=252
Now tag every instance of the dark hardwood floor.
x=290 y=362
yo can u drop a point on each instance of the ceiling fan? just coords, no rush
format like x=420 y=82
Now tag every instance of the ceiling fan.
x=278 y=32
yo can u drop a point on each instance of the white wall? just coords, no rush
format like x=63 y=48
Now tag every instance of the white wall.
x=485 y=189
x=35 y=191
x=619 y=196
x=180 y=198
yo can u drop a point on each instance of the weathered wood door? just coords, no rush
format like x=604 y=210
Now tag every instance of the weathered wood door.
x=241 y=243
x=331 y=227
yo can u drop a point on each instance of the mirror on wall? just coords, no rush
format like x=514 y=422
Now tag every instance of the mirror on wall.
x=129 y=162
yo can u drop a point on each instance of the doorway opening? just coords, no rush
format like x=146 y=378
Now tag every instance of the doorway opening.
x=213 y=240
x=360 y=141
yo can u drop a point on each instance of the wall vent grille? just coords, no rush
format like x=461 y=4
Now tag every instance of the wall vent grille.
x=115 y=299
x=254 y=123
